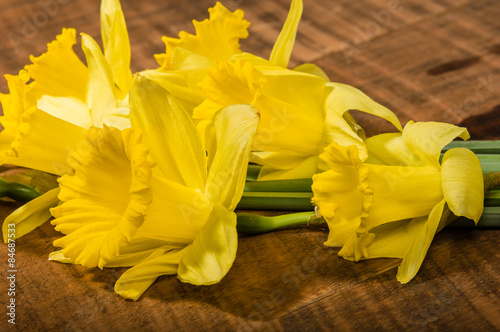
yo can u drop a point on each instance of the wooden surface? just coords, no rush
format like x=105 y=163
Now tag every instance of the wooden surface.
x=425 y=60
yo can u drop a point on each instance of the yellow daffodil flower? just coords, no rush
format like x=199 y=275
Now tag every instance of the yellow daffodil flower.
x=47 y=118
x=391 y=203
x=174 y=218
x=301 y=112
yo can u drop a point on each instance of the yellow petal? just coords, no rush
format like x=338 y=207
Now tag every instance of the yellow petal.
x=229 y=139
x=387 y=240
x=427 y=139
x=140 y=249
x=58 y=256
x=276 y=160
x=421 y=242
x=101 y=98
x=177 y=85
x=136 y=280
x=216 y=38
x=345 y=97
x=292 y=114
x=338 y=130
x=342 y=193
x=311 y=68
x=59 y=72
x=106 y=200
x=282 y=49
x=227 y=84
x=463 y=184
x=175 y=143
x=391 y=149
x=116 y=44
x=208 y=259
x=30 y=215
x=306 y=168
x=43 y=142
x=69 y=109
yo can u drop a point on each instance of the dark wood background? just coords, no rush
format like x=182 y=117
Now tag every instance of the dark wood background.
x=426 y=60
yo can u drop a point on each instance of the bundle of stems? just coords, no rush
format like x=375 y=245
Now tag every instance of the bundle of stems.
x=295 y=195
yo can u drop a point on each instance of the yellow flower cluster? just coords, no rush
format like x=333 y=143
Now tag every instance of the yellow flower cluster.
x=152 y=166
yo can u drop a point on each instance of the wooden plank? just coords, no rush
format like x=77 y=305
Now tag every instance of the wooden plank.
x=428 y=62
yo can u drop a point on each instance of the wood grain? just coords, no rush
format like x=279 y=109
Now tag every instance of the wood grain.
x=426 y=60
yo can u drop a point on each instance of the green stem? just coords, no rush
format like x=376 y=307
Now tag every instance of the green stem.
x=278 y=201
x=17 y=191
x=250 y=224
x=297 y=185
x=490 y=218
x=253 y=172
x=478 y=147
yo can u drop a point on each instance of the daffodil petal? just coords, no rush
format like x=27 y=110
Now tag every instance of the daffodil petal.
x=58 y=256
x=292 y=117
x=116 y=44
x=136 y=280
x=418 y=249
x=59 y=72
x=30 y=215
x=178 y=86
x=311 y=68
x=391 y=239
x=106 y=200
x=391 y=149
x=208 y=259
x=282 y=49
x=229 y=139
x=276 y=160
x=43 y=142
x=338 y=130
x=427 y=139
x=139 y=249
x=463 y=183
x=305 y=169
x=69 y=109
x=175 y=143
x=101 y=98
x=345 y=97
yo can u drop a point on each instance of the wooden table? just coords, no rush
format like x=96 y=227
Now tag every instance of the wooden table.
x=426 y=60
